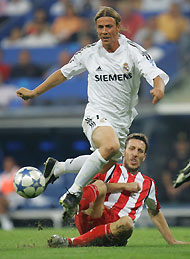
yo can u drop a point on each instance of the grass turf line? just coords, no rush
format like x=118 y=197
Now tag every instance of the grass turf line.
x=30 y=243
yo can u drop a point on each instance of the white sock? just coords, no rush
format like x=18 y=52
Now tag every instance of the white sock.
x=91 y=167
x=71 y=165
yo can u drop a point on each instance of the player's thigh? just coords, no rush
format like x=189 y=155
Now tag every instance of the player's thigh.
x=91 y=123
x=105 y=136
x=100 y=131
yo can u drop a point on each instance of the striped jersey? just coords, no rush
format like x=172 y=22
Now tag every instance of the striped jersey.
x=127 y=203
x=114 y=78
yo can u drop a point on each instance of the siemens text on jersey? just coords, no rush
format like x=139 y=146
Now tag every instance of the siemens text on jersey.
x=114 y=77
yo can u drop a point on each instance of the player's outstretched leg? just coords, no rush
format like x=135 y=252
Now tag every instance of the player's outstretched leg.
x=184 y=176
x=49 y=171
x=91 y=237
x=111 y=234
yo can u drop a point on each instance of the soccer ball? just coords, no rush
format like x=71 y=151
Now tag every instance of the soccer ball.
x=29 y=182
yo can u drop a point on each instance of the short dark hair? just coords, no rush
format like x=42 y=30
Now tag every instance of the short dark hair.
x=105 y=11
x=139 y=136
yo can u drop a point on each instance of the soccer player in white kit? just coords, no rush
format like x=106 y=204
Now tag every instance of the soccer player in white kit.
x=115 y=65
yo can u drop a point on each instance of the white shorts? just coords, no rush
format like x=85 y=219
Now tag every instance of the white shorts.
x=93 y=120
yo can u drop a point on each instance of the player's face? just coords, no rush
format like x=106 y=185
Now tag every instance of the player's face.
x=108 y=32
x=134 y=155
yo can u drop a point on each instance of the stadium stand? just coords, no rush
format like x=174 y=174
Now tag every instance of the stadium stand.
x=46 y=56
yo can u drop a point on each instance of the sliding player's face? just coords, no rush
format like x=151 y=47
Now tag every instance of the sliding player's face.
x=134 y=155
x=107 y=31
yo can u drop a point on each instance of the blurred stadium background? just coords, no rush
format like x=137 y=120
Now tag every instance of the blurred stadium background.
x=33 y=44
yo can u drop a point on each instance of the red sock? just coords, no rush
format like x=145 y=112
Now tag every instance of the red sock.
x=95 y=233
x=90 y=194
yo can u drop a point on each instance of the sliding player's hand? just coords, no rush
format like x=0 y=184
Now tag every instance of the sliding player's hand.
x=132 y=187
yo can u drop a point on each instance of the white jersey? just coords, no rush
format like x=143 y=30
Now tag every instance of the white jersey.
x=126 y=203
x=114 y=78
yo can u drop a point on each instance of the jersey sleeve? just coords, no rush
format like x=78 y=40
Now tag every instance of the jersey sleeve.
x=146 y=65
x=151 y=200
x=75 y=65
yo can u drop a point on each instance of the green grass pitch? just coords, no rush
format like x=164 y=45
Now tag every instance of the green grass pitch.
x=30 y=243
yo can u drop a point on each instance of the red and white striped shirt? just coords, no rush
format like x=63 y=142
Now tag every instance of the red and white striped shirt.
x=127 y=203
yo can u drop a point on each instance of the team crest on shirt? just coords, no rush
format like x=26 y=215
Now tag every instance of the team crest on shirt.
x=125 y=67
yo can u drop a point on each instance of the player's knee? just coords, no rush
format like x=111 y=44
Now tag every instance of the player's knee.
x=102 y=188
x=112 y=148
x=126 y=224
x=123 y=228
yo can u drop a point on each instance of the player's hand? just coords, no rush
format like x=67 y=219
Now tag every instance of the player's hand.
x=176 y=242
x=132 y=187
x=157 y=94
x=25 y=93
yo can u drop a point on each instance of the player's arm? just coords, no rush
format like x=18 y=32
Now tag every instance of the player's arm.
x=53 y=80
x=159 y=221
x=158 y=89
x=119 y=187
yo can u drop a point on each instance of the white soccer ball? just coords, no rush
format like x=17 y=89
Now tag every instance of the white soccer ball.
x=29 y=182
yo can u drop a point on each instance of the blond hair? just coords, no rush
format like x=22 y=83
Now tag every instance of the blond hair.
x=105 y=11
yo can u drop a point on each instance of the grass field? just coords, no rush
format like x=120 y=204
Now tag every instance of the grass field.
x=30 y=243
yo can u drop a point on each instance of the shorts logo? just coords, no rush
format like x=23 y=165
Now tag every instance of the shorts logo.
x=90 y=122
x=100 y=119
x=99 y=68
x=125 y=67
